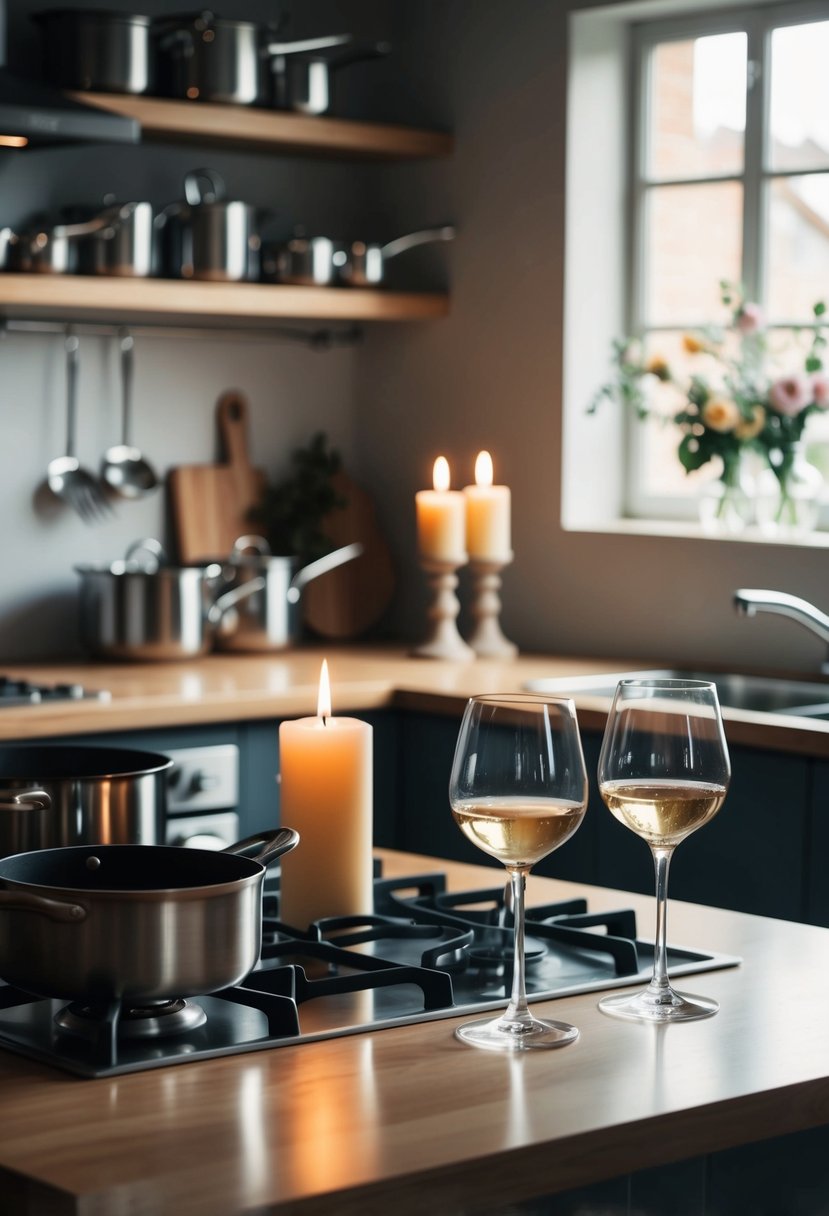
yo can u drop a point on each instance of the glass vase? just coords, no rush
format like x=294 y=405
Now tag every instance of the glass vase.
x=726 y=504
x=789 y=494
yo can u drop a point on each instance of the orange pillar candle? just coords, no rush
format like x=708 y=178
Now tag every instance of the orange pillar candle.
x=440 y=519
x=326 y=795
x=488 y=510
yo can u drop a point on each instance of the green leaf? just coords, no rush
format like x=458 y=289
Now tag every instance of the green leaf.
x=819 y=308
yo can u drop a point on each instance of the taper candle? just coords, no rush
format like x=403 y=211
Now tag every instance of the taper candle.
x=326 y=795
x=488 y=510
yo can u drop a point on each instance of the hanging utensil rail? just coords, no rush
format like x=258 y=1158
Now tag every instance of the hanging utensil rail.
x=315 y=339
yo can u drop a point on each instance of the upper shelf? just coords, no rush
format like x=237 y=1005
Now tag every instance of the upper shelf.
x=248 y=127
x=86 y=297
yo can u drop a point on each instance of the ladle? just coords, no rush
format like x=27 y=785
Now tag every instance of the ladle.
x=124 y=468
x=66 y=478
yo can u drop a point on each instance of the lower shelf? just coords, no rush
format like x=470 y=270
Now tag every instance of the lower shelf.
x=82 y=297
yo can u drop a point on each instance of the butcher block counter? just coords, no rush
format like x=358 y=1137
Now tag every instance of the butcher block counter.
x=222 y=688
x=409 y=1120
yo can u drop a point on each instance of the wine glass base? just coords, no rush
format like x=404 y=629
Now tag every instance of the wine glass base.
x=661 y=1008
x=494 y=1034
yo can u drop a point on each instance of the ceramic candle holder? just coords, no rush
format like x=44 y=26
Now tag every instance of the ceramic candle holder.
x=443 y=640
x=487 y=640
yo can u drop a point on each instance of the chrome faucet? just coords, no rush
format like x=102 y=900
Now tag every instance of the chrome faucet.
x=750 y=602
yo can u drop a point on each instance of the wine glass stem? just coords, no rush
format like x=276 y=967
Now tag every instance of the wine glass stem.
x=661 y=860
x=518 y=1011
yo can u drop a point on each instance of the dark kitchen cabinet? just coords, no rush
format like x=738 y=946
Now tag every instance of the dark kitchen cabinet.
x=257 y=742
x=766 y=852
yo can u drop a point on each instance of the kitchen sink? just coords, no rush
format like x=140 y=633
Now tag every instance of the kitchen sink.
x=759 y=694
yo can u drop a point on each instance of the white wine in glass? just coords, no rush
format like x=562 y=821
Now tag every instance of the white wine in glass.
x=518 y=790
x=663 y=773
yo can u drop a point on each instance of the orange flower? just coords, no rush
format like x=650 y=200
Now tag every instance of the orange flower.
x=720 y=414
x=692 y=345
x=657 y=366
x=749 y=428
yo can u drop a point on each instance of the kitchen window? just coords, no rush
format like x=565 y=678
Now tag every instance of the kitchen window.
x=723 y=175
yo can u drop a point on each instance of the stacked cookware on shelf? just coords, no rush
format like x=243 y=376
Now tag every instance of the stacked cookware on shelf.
x=203 y=234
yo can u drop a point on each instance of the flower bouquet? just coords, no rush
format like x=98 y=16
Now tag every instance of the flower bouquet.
x=738 y=403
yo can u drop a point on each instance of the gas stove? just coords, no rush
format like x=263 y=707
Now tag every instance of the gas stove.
x=26 y=692
x=422 y=955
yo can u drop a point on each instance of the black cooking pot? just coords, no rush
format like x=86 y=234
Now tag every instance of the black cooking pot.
x=137 y=923
x=97 y=795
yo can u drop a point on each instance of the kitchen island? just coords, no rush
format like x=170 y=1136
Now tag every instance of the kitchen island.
x=407 y=1119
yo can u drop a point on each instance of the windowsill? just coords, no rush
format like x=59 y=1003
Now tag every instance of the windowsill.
x=688 y=530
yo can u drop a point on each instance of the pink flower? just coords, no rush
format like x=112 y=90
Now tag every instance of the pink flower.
x=791 y=394
x=749 y=318
x=820 y=390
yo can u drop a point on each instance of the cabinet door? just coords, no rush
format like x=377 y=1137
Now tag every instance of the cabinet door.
x=817 y=900
x=750 y=858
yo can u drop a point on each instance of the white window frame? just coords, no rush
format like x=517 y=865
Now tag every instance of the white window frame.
x=755 y=177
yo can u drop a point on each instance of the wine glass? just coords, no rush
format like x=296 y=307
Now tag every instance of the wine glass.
x=518 y=790
x=663 y=773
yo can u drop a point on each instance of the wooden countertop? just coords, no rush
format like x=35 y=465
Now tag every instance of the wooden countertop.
x=408 y=1119
x=224 y=688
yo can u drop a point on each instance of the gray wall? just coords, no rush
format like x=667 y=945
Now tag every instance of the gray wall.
x=488 y=376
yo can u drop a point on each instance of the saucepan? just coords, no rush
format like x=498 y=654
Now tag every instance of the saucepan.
x=97 y=49
x=320 y=261
x=208 y=236
x=138 y=923
x=140 y=607
x=269 y=619
x=55 y=795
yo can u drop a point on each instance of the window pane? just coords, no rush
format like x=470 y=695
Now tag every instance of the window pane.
x=697 y=107
x=683 y=271
x=799 y=127
x=798 y=252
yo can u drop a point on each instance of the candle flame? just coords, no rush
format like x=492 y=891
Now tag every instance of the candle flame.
x=324 y=698
x=441 y=478
x=483 y=469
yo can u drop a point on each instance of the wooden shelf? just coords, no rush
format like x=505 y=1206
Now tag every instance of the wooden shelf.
x=81 y=297
x=276 y=130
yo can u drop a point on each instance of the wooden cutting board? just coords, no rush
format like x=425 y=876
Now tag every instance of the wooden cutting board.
x=347 y=601
x=210 y=503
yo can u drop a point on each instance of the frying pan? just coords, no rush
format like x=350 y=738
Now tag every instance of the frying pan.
x=319 y=261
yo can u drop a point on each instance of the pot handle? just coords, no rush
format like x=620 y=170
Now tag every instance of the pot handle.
x=28 y=800
x=153 y=551
x=55 y=909
x=307 y=46
x=195 y=179
x=270 y=845
x=229 y=598
x=426 y=237
x=321 y=566
x=257 y=543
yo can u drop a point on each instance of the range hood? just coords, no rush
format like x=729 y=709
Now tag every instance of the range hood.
x=37 y=114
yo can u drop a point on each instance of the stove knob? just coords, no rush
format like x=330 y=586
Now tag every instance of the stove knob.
x=202 y=781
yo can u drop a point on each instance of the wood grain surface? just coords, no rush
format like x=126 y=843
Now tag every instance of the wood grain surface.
x=211 y=503
x=408 y=1120
x=346 y=602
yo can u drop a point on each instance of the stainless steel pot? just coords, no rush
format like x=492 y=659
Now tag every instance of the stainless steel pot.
x=139 y=608
x=204 y=58
x=132 y=922
x=97 y=49
x=52 y=248
x=321 y=262
x=94 y=795
x=209 y=237
x=124 y=244
x=270 y=619
x=301 y=72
